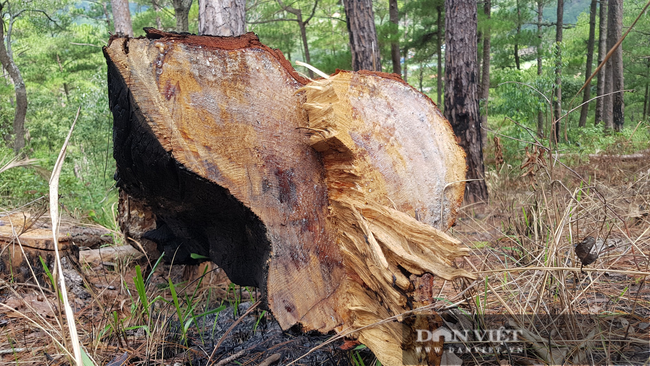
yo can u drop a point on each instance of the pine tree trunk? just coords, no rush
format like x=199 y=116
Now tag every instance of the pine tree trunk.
x=7 y=60
x=439 y=53
x=485 y=81
x=310 y=191
x=608 y=109
x=224 y=18
x=122 y=17
x=590 y=60
x=517 y=36
x=540 y=18
x=394 y=46
x=558 y=70
x=182 y=14
x=302 y=25
x=618 y=105
x=363 y=35
x=647 y=89
x=602 y=51
x=461 y=94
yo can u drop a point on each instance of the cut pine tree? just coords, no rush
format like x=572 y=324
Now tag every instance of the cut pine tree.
x=328 y=195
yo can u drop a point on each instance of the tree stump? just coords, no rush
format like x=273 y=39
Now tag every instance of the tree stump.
x=328 y=195
x=23 y=244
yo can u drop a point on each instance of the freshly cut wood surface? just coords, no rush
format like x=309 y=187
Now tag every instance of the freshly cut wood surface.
x=388 y=153
x=207 y=132
x=23 y=243
x=328 y=195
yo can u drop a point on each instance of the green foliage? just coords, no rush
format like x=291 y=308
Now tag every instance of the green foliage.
x=64 y=68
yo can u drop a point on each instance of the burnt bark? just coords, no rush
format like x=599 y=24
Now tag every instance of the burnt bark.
x=222 y=17
x=182 y=14
x=461 y=96
x=363 y=35
x=590 y=60
x=602 y=51
x=394 y=45
x=122 y=17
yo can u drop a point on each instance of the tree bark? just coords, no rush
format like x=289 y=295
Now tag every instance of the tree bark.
x=540 y=18
x=122 y=17
x=363 y=35
x=485 y=81
x=439 y=54
x=394 y=46
x=461 y=97
x=590 y=60
x=224 y=18
x=647 y=89
x=608 y=100
x=309 y=191
x=182 y=14
x=558 y=70
x=602 y=51
x=618 y=105
x=517 y=36
x=7 y=60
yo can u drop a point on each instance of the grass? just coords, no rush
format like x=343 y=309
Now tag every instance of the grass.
x=532 y=271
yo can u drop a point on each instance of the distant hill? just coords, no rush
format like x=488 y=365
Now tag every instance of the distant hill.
x=572 y=8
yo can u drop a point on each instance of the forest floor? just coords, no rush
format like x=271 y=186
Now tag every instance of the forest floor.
x=523 y=248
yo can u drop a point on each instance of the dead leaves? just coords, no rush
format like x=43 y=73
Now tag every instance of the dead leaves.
x=533 y=162
x=31 y=304
x=498 y=151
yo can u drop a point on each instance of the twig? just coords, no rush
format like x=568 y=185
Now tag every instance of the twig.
x=10 y=351
x=223 y=337
x=271 y=360
x=231 y=358
x=574 y=269
x=85 y=44
x=312 y=68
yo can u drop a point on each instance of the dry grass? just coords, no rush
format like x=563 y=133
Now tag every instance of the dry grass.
x=522 y=246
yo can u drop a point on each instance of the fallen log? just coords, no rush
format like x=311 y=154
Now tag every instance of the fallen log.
x=115 y=254
x=329 y=195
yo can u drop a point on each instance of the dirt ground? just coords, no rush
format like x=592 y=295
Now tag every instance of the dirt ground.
x=523 y=249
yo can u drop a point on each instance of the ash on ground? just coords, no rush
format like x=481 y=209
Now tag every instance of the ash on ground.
x=255 y=339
